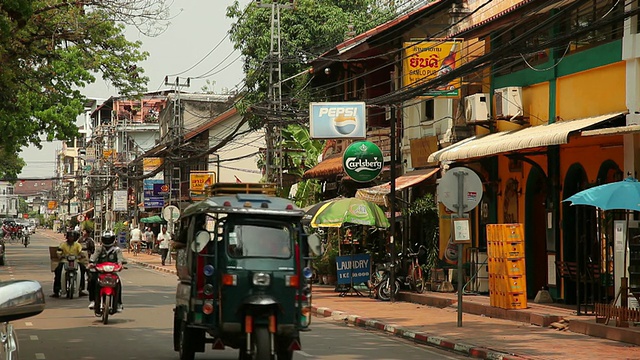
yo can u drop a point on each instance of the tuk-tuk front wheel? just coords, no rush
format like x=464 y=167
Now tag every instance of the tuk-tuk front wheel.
x=260 y=345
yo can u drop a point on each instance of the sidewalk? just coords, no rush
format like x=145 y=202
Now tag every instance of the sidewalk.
x=480 y=336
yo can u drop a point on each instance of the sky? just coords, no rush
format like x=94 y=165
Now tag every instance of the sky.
x=197 y=27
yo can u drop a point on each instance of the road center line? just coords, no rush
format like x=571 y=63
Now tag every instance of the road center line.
x=40 y=356
x=28 y=323
x=304 y=353
x=33 y=337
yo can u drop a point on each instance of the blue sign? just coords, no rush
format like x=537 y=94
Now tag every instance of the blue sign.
x=163 y=190
x=338 y=120
x=357 y=266
x=147 y=184
x=153 y=202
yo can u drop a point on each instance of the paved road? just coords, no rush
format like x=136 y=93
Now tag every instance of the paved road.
x=67 y=329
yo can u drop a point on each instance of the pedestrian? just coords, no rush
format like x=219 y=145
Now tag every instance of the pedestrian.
x=135 y=239
x=165 y=239
x=148 y=238
x=88 y=248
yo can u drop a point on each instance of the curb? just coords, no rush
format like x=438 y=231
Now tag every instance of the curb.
x=151 y=266
x=417 y=337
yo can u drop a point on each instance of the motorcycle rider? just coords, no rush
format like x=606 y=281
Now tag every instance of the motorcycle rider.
x=108 y=252
x=66 y=248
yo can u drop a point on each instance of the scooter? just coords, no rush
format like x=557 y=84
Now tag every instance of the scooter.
x=69 y=276
x=107 y=297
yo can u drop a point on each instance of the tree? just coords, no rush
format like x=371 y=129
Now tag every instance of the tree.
x=297 y=137
x=306 y=32
x=50 y=49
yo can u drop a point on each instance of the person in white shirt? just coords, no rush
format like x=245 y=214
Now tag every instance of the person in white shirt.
x=165 y=240
x=136 y=239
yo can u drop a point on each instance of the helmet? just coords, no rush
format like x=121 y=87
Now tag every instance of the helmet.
x=72 y=235
x=108 y=238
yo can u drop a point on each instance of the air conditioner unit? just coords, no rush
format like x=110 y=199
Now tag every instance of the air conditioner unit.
x=476 y=107
x=508 y=102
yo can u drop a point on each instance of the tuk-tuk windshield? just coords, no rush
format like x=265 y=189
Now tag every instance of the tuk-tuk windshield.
x=260 y=240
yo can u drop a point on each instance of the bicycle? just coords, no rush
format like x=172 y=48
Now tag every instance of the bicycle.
x=134 y=246
x=415 y=275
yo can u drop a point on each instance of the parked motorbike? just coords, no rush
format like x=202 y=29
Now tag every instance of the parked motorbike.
x=69 y=276
x=380 y=283
x=107 y=297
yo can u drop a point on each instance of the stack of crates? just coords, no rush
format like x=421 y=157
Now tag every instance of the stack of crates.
x=507 y=278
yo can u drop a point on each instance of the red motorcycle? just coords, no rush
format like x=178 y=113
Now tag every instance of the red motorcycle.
x=108 y=286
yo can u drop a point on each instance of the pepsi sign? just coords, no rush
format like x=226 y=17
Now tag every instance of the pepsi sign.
x=337 y=120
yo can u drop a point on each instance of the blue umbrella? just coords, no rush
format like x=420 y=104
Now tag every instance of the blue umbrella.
x=620 y=195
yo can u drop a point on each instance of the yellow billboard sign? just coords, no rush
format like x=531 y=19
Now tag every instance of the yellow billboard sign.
x=198 y=181
x=427 y=60
x=151 y=163
x=52 y=205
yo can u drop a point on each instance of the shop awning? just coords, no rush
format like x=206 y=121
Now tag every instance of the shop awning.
x=618 y=130
x=327 y=167
x=528 y=138
x=376 y=194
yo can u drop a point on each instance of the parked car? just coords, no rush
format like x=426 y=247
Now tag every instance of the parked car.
x=19 y=299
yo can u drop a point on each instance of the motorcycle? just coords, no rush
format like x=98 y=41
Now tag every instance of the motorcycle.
x=25 y=237
x=380 y=283
x=69 y=276
x=107 y=297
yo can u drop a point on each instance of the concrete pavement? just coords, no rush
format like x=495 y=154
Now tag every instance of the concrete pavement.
x=481 y=336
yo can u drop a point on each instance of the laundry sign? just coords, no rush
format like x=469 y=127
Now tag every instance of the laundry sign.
x=356 y=267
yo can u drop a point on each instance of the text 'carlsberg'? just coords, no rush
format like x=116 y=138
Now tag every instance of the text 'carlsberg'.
x=358 y=165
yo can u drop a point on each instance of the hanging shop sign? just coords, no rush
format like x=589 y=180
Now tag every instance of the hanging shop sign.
x=362 y=161
x=427 y=60
x=198 y=181
x=337 y=120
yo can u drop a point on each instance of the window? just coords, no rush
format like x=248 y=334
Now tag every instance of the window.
x=429 y=110
x=582 y=21
x=248 y=240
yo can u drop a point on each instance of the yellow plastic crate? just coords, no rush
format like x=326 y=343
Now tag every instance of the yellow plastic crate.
x=514 y=267
x=516 y=300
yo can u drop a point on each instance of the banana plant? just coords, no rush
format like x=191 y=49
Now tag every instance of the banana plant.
x=303 y=155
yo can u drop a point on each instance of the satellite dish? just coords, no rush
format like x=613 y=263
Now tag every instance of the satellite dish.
x=448 y=189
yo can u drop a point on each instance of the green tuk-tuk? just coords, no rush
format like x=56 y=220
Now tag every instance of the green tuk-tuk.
x=244 y=277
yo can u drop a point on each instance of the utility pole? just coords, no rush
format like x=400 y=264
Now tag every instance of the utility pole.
x=176 y=137
x=273 y=135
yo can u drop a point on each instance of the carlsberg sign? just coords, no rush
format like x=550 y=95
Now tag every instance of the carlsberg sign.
x=362 y=161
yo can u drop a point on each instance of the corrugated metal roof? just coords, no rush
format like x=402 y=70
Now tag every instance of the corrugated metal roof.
x=619 y=130
x=505 y=141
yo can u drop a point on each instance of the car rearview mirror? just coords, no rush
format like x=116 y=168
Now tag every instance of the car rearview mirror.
x=20 y=299
x=315 y=244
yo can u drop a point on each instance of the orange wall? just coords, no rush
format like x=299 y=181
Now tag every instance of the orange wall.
x=592 y=92
x=521 y=177
x=580 y=148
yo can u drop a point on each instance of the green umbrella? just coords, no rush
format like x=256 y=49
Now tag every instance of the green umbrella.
x=350 y=211
x=153 y=220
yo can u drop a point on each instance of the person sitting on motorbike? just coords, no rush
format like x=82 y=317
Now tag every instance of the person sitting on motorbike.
x=108 y=252
x=66 y=248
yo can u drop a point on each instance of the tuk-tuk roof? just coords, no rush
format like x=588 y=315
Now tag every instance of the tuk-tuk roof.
x=255 y=204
